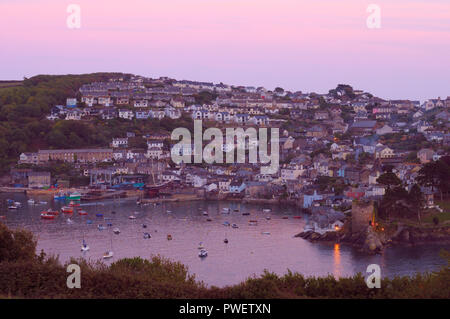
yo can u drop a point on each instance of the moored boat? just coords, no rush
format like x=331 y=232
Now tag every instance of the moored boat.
x=67 y=209
x=203 y=253
x=84 y=246
x=108 y=254
x=47 y=216
x=75 y=196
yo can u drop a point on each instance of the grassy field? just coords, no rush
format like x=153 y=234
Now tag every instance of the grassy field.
x=445 y=205
x=7 y=84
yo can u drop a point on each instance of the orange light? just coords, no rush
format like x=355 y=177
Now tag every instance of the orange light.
x=336 y=227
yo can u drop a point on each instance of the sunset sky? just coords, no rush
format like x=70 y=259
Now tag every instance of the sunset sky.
x=296 y=44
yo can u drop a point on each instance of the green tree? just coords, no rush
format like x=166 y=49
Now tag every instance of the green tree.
x=389 y=179
x=416 y=199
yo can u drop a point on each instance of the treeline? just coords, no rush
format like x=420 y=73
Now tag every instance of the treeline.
x=398 y=202
x=24 y=127
x=26 y=275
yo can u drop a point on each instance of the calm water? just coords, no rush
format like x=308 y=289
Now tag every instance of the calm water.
x=248 y=252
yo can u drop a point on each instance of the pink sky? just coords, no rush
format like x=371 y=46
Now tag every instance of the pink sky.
x=298 y=45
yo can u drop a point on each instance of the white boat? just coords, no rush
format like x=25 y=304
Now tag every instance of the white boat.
x=147 y=236
x=205 y=213
x=267 y=210
x=108 y=254
x=42 y=202
x=12 y=207
x=69 y=221
x=31 y=201
x=203 y=253
x=116 y=231
x=132 y=217
x=268 y=218
x=18 y=204
x=84 y=246
x=225 y=210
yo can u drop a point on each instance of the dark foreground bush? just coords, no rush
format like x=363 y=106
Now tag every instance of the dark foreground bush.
x=29 y=276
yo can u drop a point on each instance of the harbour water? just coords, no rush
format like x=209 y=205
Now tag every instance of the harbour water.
x=250 y=249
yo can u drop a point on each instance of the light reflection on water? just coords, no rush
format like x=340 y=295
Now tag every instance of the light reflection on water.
x=248 y=252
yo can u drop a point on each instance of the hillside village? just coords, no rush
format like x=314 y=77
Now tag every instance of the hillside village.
x=333 y=146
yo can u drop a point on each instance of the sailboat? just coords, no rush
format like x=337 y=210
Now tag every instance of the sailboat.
x=84 y=246
x=109 y=253
x=203 y=253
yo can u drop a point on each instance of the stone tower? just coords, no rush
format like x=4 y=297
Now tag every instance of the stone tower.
x=362 y=215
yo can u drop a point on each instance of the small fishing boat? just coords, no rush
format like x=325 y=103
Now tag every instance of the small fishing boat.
x=208 y=219
x=226 y=223
x=147 y=236
x=31 y=201
x=12 y=207
x=18 y=204
x=75 y=196
x=69 y=221
x=236 y=210
x=47 y=216
x=203 y=253
x=74 y=204
x=144 y=226
x=42 y=202
x=268 y=218
x=84 y=246
x=59 y=196
x=82 y=213
x=51 y=212
x=225 y=210
x=265 y=233
x=101 y=227
x=132 y=217
x=205 y=213
x=89 y=222
x=116 y=231
x=234 y=226
x=67 y=210
x=297 y=217
x=169 y=237
x=285 y=217
x=168 y=211
x=267 y=210
x=252 y=222
x=225 y=241
x=99 y=215
x=245 y=214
